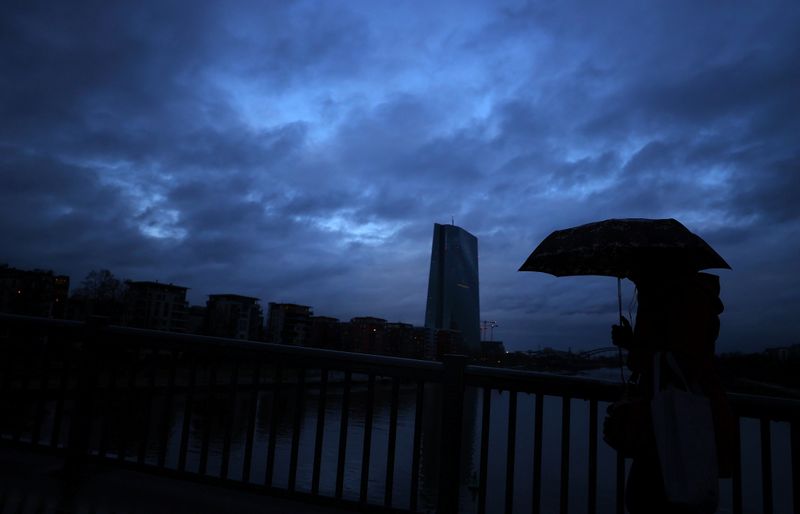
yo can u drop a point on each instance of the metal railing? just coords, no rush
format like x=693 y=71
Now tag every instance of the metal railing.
x=167 y=404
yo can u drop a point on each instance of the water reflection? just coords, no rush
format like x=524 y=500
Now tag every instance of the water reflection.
x=429 y=466
x=210 y=413
x=215 y=412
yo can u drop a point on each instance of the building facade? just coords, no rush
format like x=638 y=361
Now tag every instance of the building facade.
x=406 y=340
x=367 y=335
x=156 y=306
x=234 y=316
x=326 y=332
x=196 y=319
x=289 y=323
x=33 y=292
x=453 y=296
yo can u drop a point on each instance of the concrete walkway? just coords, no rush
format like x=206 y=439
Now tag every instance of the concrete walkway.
x=30 y=483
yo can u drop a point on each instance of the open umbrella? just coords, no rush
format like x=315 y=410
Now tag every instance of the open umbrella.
x=623 y=248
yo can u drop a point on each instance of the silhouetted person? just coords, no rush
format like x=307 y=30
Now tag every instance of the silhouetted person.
x=677 y=313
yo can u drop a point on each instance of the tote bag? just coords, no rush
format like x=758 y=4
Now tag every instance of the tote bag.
x=684 y=432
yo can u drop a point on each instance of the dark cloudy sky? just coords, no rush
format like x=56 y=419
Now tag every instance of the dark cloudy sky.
x=301 y=151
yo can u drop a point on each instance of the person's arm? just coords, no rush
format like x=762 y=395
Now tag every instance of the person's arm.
x=622 y=335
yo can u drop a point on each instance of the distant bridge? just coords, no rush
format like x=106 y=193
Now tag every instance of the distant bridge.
x=597 y=351
x=584 y=354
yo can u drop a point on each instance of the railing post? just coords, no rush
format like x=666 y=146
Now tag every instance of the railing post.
x=450 y=437
x=78 y=441
x=794 y=428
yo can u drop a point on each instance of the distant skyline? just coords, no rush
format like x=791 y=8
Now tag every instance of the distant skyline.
x=300 y=151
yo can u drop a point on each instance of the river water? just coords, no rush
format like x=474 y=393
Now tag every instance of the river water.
x=214 y=412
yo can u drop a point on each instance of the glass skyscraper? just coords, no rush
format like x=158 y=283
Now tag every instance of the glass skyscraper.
x=453 y=300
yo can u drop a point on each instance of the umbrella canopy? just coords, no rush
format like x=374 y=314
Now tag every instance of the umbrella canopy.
x=622 y=248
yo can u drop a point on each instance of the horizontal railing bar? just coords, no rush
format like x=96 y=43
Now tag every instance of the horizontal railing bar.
x=308 y=357
x=536 y=382
x=745 y=405
x=19 y=319
x=754 y=406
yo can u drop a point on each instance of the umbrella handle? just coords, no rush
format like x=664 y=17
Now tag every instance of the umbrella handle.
x=619 y=350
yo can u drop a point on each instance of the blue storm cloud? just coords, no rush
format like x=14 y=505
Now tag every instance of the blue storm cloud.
x=301 y=151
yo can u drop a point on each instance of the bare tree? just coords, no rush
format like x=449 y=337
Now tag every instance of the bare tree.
x=100 y=294
x=101 y=285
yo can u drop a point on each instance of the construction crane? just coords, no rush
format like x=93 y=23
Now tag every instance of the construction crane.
x=488 y=325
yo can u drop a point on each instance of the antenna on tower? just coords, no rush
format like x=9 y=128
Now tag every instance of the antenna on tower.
x=452 y=220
